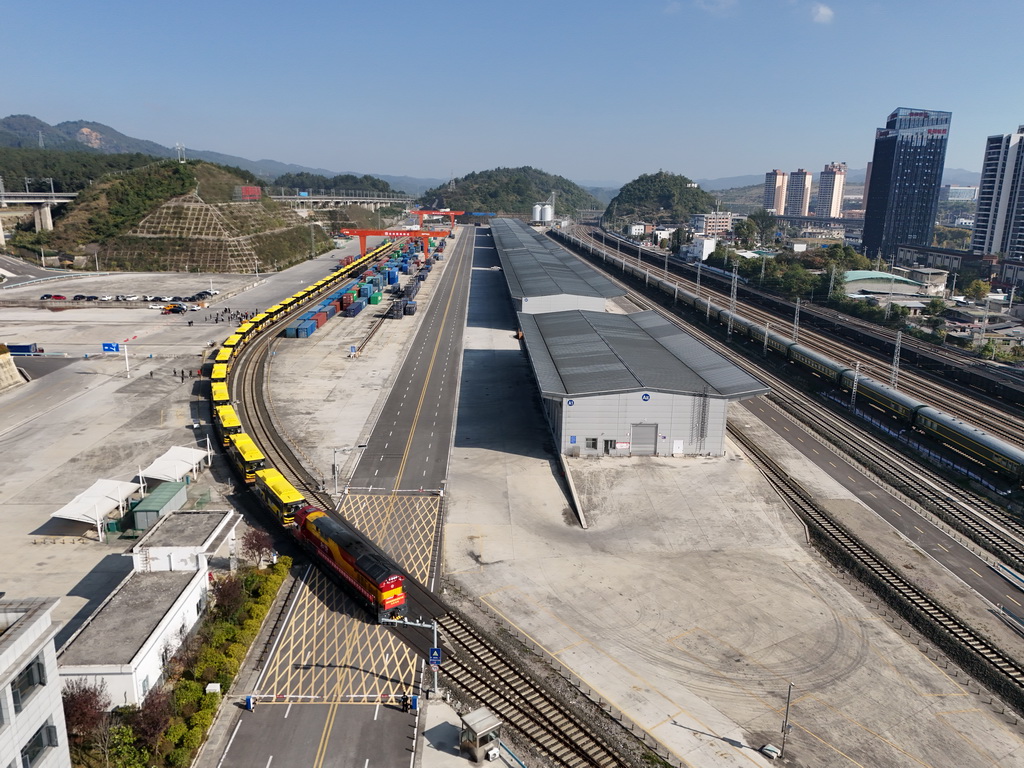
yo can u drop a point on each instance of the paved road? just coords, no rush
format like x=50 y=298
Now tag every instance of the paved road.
x=954 y=557
x=409 y=446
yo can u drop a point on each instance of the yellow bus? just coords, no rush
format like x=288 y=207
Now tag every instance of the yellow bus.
x=227 y=423
x=246 y=457
x=219 y=372
x=232 y=341
x=225 y=356
x=279 y=495
x=219 y=393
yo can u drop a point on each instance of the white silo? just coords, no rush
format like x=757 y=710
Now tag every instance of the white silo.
x=535 y=216
x=547 y=213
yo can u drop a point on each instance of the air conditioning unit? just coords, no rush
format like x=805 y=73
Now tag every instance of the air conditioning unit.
x=492 y=754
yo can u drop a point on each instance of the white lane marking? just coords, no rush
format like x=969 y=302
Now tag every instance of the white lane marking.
x=269 y=760
x=288 y=710
x=230 y=742
x=376 y=710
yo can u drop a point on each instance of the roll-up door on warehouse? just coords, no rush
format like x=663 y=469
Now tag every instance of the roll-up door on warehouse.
x=644 y=440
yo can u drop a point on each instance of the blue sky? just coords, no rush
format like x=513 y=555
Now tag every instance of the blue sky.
x=595 y=91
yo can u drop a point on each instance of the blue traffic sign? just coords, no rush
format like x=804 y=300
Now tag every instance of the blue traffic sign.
x=645 y=397
x=111 y=346
x=435 y=657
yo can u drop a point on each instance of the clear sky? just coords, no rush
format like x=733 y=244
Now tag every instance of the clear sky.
x=596 y=91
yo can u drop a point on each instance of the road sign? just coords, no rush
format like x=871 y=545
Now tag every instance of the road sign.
x=109 y=346
x=435 y=657
x=353 y=349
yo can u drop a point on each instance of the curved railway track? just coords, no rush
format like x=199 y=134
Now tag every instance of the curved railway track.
x=475 y=664
x=1008 y=424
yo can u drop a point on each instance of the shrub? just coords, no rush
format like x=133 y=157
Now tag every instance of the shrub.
x=236 y=651
x=211 y=701
x=257 y=612
x=282 y=566
x=180 y=758
x=192 y=739
x=175 y=730
x=187 y=694
x=201 y=720
x=221 y=632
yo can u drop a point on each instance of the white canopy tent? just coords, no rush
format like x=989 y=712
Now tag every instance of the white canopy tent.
x=176 y=463
x=99 y=500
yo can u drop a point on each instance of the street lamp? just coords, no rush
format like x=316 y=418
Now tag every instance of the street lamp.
x=786 y=727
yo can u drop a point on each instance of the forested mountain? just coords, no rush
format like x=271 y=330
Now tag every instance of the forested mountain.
x=71 y=171
x=510 y=191
x=660 y=198
x=341 y=183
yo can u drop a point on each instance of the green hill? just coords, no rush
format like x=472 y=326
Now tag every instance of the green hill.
x=660 y=198
x=167 y=215
x=510 y=191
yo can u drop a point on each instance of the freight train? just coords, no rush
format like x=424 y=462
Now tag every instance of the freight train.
x=994 y=454
x=370 y=577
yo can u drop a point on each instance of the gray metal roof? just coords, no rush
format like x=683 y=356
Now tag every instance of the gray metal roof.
x=536 y=266
x=576 y=353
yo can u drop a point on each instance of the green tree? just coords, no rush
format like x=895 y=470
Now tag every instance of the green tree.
x=746 y=233
x=935 y=307
x=123 y=751
x=765 y=223
x=977 y=290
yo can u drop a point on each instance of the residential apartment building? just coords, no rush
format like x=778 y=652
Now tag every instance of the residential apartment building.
x=32 y=729
x=831 y=185
x=999 y=219
x=798 y=195
x=711 y=224
x=775 y=184
x=906 y=175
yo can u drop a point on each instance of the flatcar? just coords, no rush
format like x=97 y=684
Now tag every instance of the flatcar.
x=219 y=372
x=373 y=579
x=246 y=457
x=219 y=394
x=227 y=423
x=280 y=496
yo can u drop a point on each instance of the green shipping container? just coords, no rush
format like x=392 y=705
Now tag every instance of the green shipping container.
x=375 y=298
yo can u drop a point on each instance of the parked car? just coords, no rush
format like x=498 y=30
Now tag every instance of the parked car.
x=59 y=297
x=119 y=297
x=131 y=298
x=106 y=298
x=150 y=298
x=92 y=298
x=78 y=297
x=46 y=297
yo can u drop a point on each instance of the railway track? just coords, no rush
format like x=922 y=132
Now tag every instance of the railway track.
x=1007 y=423
x=990 y=526
x=877 y=568
x=1004 y=673
x=475 y=665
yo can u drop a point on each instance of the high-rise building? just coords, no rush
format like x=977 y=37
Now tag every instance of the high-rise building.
x=775 y=191
x=798 y=196
x=831 y=185
x=999 y=221
x=906 y=174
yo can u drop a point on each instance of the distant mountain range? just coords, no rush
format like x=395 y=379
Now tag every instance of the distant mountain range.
x=957 y=176
x=83 y=135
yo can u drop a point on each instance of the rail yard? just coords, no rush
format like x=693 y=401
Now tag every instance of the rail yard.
x=673 y=623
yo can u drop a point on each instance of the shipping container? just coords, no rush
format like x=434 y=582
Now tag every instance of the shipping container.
x=292 y=331
x=319 y=318
x=410 y=308
x=346 y=299
x=24 y=349
x=375 y=298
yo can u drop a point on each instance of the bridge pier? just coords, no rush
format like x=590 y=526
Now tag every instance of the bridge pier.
x=43 y=217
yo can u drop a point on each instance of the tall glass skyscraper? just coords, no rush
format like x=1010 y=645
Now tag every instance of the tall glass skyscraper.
x=906 y=175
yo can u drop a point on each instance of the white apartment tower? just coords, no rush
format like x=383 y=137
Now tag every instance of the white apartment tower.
x=775 y=191
x=798 y=196
x=831 y=185
x=999 y=221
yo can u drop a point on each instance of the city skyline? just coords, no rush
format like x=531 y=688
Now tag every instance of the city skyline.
x=596 y=92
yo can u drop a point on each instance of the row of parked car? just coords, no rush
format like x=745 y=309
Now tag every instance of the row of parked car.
x=201 y=296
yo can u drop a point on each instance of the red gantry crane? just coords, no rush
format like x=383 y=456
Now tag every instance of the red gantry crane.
x=422 y=234
x=443 y=212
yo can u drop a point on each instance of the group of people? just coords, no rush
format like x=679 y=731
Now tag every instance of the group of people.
x=226 y=315
x=175 y=372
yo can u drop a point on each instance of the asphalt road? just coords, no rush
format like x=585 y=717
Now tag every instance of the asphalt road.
x=934 y=541
x=409 y=446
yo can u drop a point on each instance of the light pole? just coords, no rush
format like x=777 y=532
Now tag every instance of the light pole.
x=334 y=470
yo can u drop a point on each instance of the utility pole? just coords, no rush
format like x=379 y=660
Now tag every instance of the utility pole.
x=894 y=377
x=853 y=389
x=796 y=322
x=732 y=298
x=785 y=723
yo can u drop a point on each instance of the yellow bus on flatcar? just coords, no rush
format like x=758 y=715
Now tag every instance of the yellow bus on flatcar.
x=279 y=495
x=225 y=357
x=232 y=341
x=219 y=373
x=219 y=393
x=227 y=423
x=246 y=457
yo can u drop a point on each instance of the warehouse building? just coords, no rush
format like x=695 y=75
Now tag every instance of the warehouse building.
x=631 y=385
x=543 y=277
